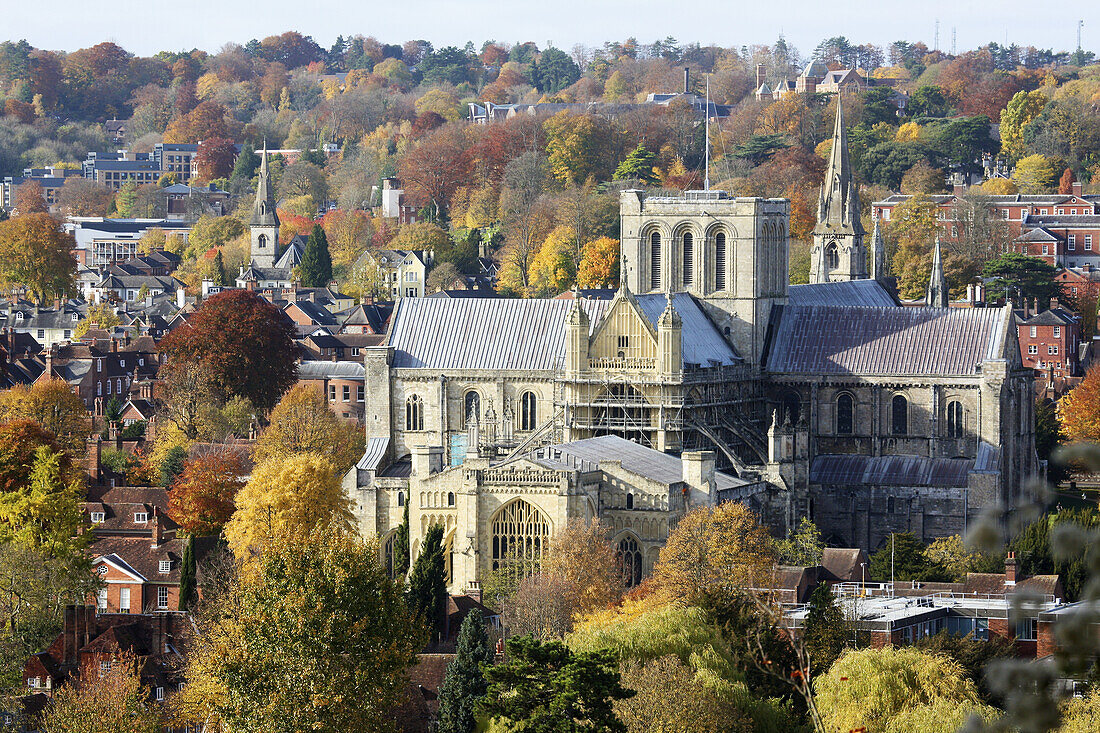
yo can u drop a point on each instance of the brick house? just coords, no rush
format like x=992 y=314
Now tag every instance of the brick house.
x=1050 y=343
x=342 y=384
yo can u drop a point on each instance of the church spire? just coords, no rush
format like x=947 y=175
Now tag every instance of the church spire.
x=937 y=296
x=838 y=252
x=263 y=210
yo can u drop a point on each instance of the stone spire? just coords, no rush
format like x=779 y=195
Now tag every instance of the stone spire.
x=263 y=210
x=878 y=254
x=937 y=296
x=838 y=252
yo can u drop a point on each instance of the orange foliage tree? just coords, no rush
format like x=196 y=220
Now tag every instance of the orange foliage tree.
x=202 y=497
x=599 y=266
x=1080 y=409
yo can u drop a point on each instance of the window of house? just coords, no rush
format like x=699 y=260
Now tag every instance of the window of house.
x=414 y=413
x=630 y=558
x=844 y=414
x=1088 y=241
x=400 y=498
x=655 y=261
x=104 y=666
x=528 y=411
x=1061 y=212
x=688 y=243
x=1046 y=249
x=624 y=341
x=108 y=386
x=99 y=365
x=359 y=394
x=1026 y=629
x=162 y=596
x=955 y=419
x=98 y=517
x=720 y=261
x=160 y=691
x=1042 y=212
x=832 y=257
x=1052 y=349
x=472 y=405
x=630 y=500
x=1057 y=331
x=166 y=566
x=347 y=393
x=1032 y=349
x=124 y=600
x=75 y=318
x=886 y=214
x=140 y=517
x=891 y=505
x=41 y=333
x=899 y=414
x=1034 y=331
x=450 y=498
x=520 y=534
x=954 y=232
x=1071 y=242
x=332 y=393
x=1004 y=213
x=19 y=315
x=101 y=599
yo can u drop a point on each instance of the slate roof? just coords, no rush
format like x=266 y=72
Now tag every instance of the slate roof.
x=1038 y=235
x=1049 y=317
x=330 y=370
x=700 y=342
x=292 y=255
x=850 y=470
x=826 y=340
x=586 y=455
x=848 y=292
x=482 y=333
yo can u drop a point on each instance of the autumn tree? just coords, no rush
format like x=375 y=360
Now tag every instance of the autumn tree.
x=207 y=121
x=20 y=440
x=316 y=638
x=1015 y=117
x=713 y=550
x=97 y=316
x=52 y=405
x=202 y=497
x=1034 y=174
x=84 y=197
x=801 y=547
x=525 y=217
x=303 y=422
x=599 y=267
x=578 y=148
x=35 y=257
x=552 y=268
x=1065 y=183
x=434 y=169
x=889 y=689
x=243 y=344
x=913 y=229
x=669 y=696
x=29 y=198
x=215 y=158
x=105 y=701
x=1080 y=409
x=287 y=498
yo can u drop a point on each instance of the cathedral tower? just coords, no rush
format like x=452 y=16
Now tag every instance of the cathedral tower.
x=265 y=221
x=838 y=252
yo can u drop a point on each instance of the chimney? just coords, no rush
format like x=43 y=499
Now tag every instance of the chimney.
x=698 y=473
x=158 y=529
x=687 y=80
x=95 y=450
x=1076 y=190
x=761 y=74
x=426 y=460
x=1010 y=568
x=959 y=189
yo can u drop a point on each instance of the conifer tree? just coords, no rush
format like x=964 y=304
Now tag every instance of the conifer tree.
x=246 y=165
x=316 y=266
x=401 y=545
x=465 y=684
x=219 y=269
x=638 y=165
x=187 y=574
x=428 y=581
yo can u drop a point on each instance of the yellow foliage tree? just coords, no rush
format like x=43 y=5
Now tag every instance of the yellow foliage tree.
x=914 y=229
x=54 y=406
x=551 y=270
x=908 y=133
x=878 y=689
x=287 y=498
x=599 y=266
x=302 y=422
x=1081 y=714
x=1016 y=116
x=442 y=102
x=718 y=549
x=1035 y=174
x=102 y=315
x=1000 y=187
x=1079 y=411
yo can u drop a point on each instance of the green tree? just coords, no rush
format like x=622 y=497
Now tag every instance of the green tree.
x=187 y=574
x=316 y=266
x=546 y=687
x=759 y=148
x=465 y=684
x=45 y=513
x=928 y=101
x=904 y=553
x=554 y=71
x=1048 y=436
x=973 y=655
x=1015 y=117
x=1016 y=276
x=638 y=165
x=826 y=633
x=124 y=199
x=316 y=638
x=1035 y=548
x=428 y=581
x=244 y=169
x=218 y=275
x=401 y=545
x=172 y=465
x=802 y=547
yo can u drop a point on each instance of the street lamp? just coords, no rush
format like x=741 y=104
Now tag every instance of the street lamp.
x=863 y=582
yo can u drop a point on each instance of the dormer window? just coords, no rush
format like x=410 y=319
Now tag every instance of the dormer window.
x=98 y=517
x=19 y=315
x=140 y=517
x=75 y=317
x=166 y=566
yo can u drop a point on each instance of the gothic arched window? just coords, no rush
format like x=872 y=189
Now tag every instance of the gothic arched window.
x=630 y=500
x=688 y=247
x=528 y=415
x=388 y=558
x=261 y=241
x=832 y=257
x=655 y=261
x=955 y=423
x=400 y=498
x=472 y=406
x=263 y=208
x=899 y=415
x=520 y=533
x=450 y=498
x=844 y=414
x=630 y=557
x=414 y=413
x=720 y=261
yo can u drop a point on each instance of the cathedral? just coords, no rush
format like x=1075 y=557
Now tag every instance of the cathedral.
x=705 y=378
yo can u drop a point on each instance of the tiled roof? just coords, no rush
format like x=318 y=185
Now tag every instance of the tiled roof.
x=884 y=341
x=848 y=292
x=140 y=554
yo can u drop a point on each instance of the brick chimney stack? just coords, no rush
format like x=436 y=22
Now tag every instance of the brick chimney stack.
x=761 y=74
x=158 y=529
x=1010 y=568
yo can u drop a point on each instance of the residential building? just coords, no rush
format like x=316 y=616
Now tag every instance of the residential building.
x=190 y=202
x=341 y=382
x=47 y=326
x=178 y=158
x=1050 y=343
x=101 y=241
x=403 y=274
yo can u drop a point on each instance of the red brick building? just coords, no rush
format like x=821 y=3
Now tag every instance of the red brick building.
x=1050 y=343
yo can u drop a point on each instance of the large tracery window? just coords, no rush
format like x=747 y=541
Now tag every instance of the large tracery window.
x=520 y=537
x=844 y=416
x=414 y=413
x=472 y=406
x=832 y=257
x=689 y=258
x=655 y=261
x=955 y=424
x=261 y=241
x=630 y=558
x=388 y=553
x=528 y=417
x=899 y=415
